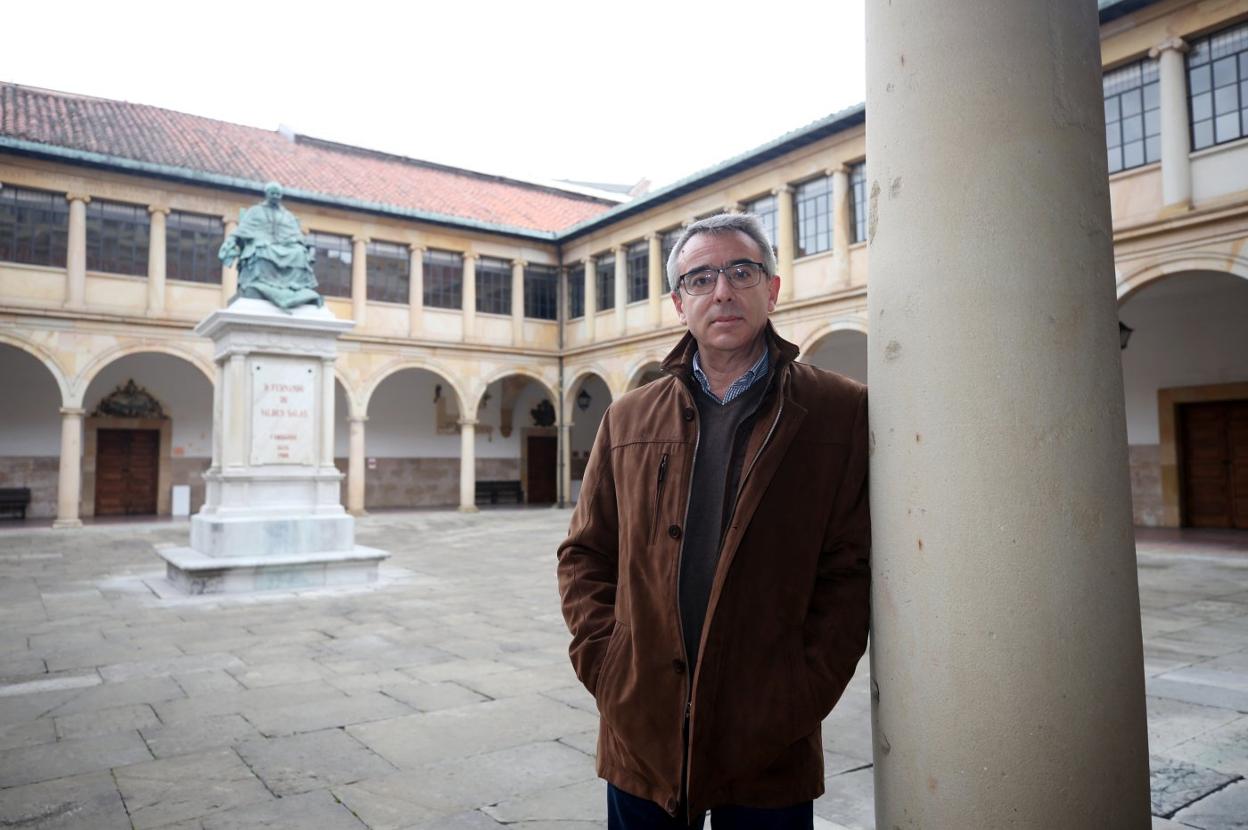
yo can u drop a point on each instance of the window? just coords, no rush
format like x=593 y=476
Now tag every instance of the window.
x=191 y=245
x=117 y=238
x=670 y=238
x=1132 y=115
x=576 y=292
x=606 y=281
x=444 y=279
x=493 y=286
x=638 y=271
x=765 y=210
x=858 y=202
x=389 y=269
x=34 y=226
x=333 y=263
x=814 y=216
x=1217 y=81
x=541 y=292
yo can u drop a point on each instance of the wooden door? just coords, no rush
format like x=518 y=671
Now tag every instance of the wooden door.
x=1214 y=447
x=543 y=451
x=126 y=468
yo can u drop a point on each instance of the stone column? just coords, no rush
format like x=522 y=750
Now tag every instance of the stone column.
x=470 y=296
x=621 y=290
x=327 y=413
x=517 y=301
x=355 y=466
x=658 y=279
x=156 y=261
x=359 y=280
x=841 y=218
x=416 y=292
x=565 y=464
x=229 y=273
x=76 y=251
x=69 y=478
x=467 y=465
x=1176 y=166
x=785 y=244
x=591 y=296
x=1007 y=669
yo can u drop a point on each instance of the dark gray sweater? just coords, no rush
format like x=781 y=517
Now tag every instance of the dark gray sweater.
x=723 y=431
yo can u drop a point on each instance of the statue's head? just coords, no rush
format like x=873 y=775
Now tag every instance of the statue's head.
x=272 y=193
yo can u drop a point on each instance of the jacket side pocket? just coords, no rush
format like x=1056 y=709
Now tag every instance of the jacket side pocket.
x=658 y=495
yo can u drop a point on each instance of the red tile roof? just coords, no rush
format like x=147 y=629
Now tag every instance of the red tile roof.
x=164 y=137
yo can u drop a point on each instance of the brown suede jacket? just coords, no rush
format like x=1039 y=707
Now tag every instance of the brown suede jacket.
x=789 y=605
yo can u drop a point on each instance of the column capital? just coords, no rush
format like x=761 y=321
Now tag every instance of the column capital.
x=520 y=263
x=73 y=411
x=75 y=196
x=1178 y=44
x=471 y=256
x=360 y=240
x=841 y=168
x=417 y=247
x=784 y=188
x=155 y=209
x=230 y=222
x=357 y=419
x=467 y=422
x=619 y=249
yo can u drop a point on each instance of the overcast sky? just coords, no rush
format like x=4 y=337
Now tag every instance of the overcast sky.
x=546 y=90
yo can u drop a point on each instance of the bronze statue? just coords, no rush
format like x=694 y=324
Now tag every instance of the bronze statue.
x=274 y=261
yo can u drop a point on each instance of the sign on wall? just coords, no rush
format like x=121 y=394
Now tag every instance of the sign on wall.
x=283 y=400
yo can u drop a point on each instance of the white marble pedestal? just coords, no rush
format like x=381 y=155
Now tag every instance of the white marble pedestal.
x=272 y=515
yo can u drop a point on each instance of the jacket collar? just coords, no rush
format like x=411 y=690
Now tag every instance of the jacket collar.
x=679 y=362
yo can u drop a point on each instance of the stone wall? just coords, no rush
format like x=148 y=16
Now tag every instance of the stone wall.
x=424 y=482
x=1146 y=501
x=39 y=473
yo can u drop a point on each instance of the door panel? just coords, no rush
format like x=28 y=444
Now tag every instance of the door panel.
x=127 y=467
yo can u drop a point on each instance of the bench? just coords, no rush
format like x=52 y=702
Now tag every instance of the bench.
x=15 y=500
x=490 y=492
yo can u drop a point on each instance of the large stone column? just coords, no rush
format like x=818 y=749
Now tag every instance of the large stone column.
x=467 y=465
x=658 y=279
x=621 y=290
x=470 y=296
x=229 y=273
x=69 y=478
x=1007 y=670
x=416 y=292
x=359 y=280
x=1176 y=166
x=591 y=296
x=76 y=251
x=840 y=227
x=565 y=464
x=785 y=243
x=355 y=465
x=156 y=261
x=517 y=301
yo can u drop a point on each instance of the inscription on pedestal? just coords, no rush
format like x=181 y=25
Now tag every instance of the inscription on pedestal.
x=283 y=401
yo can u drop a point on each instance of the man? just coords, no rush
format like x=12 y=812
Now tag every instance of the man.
x=274 y=261
x=715 y=576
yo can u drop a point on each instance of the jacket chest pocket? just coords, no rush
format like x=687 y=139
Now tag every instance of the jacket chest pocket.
x=656 y=507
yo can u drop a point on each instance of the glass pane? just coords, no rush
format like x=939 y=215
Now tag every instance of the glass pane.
x=1152 y=149
x=1133 y=154
x=1243 y=65
x=1152 y=122
x=1111 y=109
x=1198 y=79
x=1224 y=72
x=1202 y=106
x=1202 y=134
x=1130 y=102
x=1113 y=134
x=1152 y=96
x=1227 y=127
x=1132 y=128
x=1225 y=99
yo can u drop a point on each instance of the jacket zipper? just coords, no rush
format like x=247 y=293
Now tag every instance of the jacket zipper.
x=680 y=622
x=766 y=440
x=658 y=493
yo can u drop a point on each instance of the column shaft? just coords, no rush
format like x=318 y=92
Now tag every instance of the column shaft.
x=591 y=296
x=229 y=273
x=355 y=466
x=1007 y=668
x=658 y=279
x=468 y=466
x=565 y=464
x=69 y=477
x=840 y=228
x=416 y=293
x=76 y=252
x=359 y=280
x=517 y=302
x=156 y=261
x=1176 y=166
x=470 y=296
x=785 y=244
x=621 y=290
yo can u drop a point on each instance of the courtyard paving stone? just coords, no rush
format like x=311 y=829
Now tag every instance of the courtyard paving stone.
x=440 y=698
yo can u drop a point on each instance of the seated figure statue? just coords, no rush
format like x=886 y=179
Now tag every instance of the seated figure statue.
x=274 y=261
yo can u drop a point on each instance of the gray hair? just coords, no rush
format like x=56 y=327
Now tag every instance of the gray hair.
x=747 y=223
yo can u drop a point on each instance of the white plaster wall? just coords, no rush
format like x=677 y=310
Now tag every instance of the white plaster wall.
x=30 y=420
x=183 y=391
x=841 y=351
x=1190 y=330
x=1218 y=171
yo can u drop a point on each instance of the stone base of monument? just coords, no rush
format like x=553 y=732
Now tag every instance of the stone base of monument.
x=272 y=515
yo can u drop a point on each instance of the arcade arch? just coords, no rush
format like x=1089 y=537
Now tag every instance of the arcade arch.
x=587 y=399
x=841 y=350
x=30 y=442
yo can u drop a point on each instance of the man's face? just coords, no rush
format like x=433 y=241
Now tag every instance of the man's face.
x=727 y=320
x=273 y=194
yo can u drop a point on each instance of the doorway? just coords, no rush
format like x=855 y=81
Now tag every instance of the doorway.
x=1213 y=440
x=127 y=471
x=542 y=453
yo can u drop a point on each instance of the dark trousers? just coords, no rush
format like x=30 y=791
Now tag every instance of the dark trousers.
x=628 y=812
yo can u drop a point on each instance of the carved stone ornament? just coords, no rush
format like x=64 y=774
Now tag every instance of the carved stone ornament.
x=543 y=414
x=130 y=401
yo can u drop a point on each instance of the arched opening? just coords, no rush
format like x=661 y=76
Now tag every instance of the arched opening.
x=588 y=399
x=342 y=427
x=147 y=438
x=1185 y=384
x=412 y=441
x=843 y=351
x=645 y=374
x=30 y=441
x=517 y=442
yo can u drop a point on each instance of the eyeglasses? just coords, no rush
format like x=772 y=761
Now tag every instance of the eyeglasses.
x=740 y=275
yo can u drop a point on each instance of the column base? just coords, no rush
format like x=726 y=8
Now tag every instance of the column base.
x=1175 y=209
x=469 y=508
x=66 y=524
x=360 y=513
x=194 y=573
